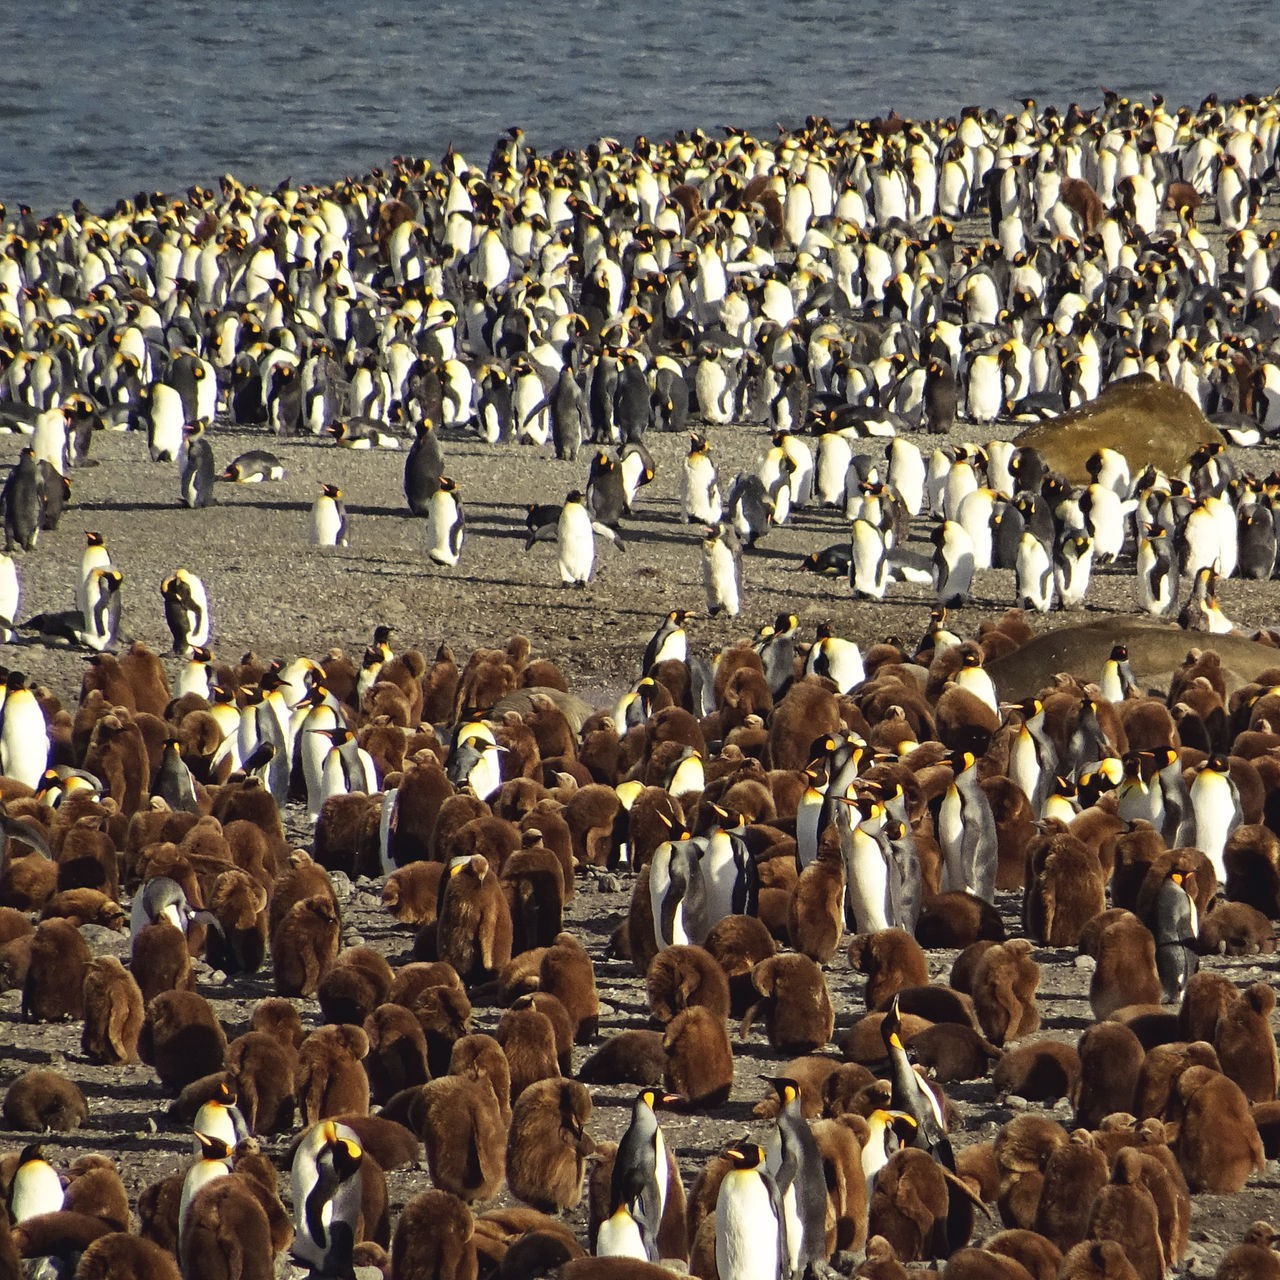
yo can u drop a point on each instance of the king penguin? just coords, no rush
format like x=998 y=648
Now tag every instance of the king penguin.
x=967 y=832
x=423 y=468
x=750 y=1241
x=722 y=569
x=214 y=1162
x=36 y=1187
x=196 y=470
x=186 y=610
x=326 y=1181
x=1215 y=801
x=640 y=1172
x=952 y=563
x=446 y=525
x=24 y=734
x=793 y=1158
x=329 y=518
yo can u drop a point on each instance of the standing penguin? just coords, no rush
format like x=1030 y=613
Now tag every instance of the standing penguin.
x=186 y=611
x=329 y=518
x=1215 y=801
x=699 y=492
x=21 y=502
x=952 y=563
x=1117 y=675
x=94 y=556
x=1157 y=581
x=10 y=594
x=750 y=1242
x=196 y=471
x=101 y=616
x=446 y=527
x=722 y=569
x=793 y=1158
x=1174 y=925
x=669 y=643
x=423 y=468
x=967 y=832
x=575 y=541
x=640 y=1171
x=326 y=1180
x=24 y=735
x=214 y=1162
x=1033 y=574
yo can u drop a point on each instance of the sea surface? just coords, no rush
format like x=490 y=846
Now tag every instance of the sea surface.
x=103 y=98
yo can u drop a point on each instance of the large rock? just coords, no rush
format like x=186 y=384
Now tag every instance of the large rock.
x=1146 y=420
x=1156 y=650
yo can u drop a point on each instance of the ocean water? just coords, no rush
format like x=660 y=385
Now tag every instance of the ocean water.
x=99 y=101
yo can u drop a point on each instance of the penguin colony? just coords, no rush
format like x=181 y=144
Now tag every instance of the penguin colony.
x=436 y=1094
x=762 y=805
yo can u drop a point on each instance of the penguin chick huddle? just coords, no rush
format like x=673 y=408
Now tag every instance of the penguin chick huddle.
x=752 y=821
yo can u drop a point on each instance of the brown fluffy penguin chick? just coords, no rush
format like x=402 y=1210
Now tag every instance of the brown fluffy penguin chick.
x=121 y=1256
x=226 y=1234
x=1110 y=1062
x=480 y=1057
x=971 y=1263
x=528 y=1040
x=682 y=976
x=1097 y=1260
x=94 y=1186
x=1126 y=970
x=461 y=1126
x=181 y=1039
x=304 y=945
x=738 y=944
x=1040 y=1258
x=566 y=972
x=1065 y=888
x=1125 y=1211
x=473 y=932
x=699 y=1059
x=547 y=1145
x=1217 y=1144
x=41 y=1099
x=627 y=1057
x=881 y=1262
x=279 y=1018
x=434 y=1239
x=957 y=920
x=909 y=1205
x=892 y=960
x=160 y=960
x=330 y=1078
x=1073 y=1175
x=411 y=894
x=815 y=914
x=113 y=1012
x=1021 y=1150
x=261 y=1068
x=1246 y=1045
x=55 y=977
x=1041 y=1072
x=795 y=1003
x=356 y=985
x=949 y=1052
x=1004 y=991
x=1255 y=1258
x=397 y=1052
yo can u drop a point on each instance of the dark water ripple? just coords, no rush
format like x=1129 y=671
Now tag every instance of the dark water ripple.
x=103 y=100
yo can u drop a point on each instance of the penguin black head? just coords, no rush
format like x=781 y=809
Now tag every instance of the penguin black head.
x=212 y=1148
x=1119 y=653
x=787 y=1089
x=331 y=491
x=1217 y=763
x=746 y=1155
x=93 y=538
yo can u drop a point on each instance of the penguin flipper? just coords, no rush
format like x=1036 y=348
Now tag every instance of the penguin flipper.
x=610 y=535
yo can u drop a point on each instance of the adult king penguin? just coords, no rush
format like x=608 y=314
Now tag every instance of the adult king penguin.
x=186 y=610
x=640 y=1174
x=750 y=1242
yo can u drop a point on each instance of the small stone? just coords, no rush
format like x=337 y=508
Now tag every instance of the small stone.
x=216 y=978
x=1015 y=1103
x=608 y=884
x=366 y=883
x=1086 y=963
x=353 y=939
x=341 y=883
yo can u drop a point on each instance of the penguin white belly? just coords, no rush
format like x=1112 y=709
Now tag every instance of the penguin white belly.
x=577 y=546
x=720 y=579
x=24 y=739
x=9 y=595
x=326 y=524
x=808 y=815
x=441 y=519
x=950 y=838
x=746 y=1229
x=619 y=1237
x=867 y=884
x=37 y=1190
